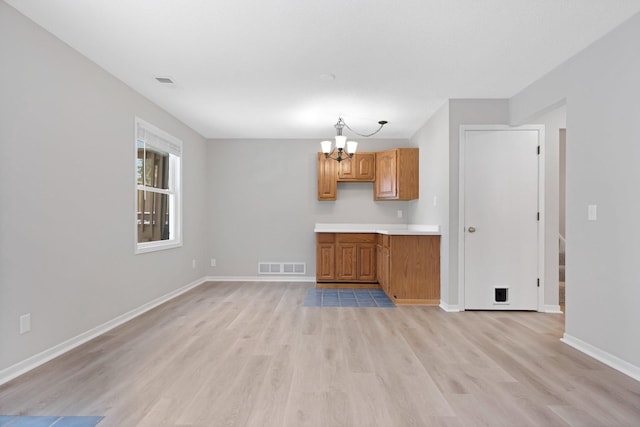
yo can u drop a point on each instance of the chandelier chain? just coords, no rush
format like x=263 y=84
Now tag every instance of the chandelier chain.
x=381 y=123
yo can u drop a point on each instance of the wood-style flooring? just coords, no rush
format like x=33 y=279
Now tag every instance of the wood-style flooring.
x=250 y=354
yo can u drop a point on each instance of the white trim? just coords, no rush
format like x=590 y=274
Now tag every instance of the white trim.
x=461 y=221
x=450 y=308
x=552 y=309
x=603 y=356
x=260 y=279
x=144 y=247
x=41 y=358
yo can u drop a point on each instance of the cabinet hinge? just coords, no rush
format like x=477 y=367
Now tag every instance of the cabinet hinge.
x=538 y=282
x=538 y=216
x=538 y=149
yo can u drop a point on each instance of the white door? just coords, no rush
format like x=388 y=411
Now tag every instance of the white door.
x=500 y=218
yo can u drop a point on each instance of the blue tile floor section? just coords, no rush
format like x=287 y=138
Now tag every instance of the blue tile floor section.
x=328 y=297
x=32 y=421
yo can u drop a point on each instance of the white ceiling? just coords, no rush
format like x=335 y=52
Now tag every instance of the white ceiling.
x=252 y=68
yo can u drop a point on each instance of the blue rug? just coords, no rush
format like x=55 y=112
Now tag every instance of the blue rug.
x=30 y=421
x=328 y=297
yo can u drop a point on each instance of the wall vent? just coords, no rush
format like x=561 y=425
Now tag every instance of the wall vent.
x=282 y=268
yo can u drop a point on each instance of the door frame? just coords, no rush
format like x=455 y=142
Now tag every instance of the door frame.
x=461 y=205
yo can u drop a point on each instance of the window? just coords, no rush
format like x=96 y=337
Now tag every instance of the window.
x=158 y=207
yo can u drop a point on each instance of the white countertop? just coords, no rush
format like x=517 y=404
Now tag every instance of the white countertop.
x=392 y=229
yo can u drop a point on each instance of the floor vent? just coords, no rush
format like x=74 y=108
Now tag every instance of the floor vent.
x=282 y=268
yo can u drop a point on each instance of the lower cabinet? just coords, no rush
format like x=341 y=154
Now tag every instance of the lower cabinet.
x=346 y=257
x=409 y=268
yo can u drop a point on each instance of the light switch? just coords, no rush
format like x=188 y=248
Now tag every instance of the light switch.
x=592 y=214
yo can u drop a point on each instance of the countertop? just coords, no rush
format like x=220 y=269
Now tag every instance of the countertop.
x=391 y=229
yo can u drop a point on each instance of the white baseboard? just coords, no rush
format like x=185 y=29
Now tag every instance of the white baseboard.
x=548 y=308
x=265 y=278
x=449 y=308
x=604 y=357
x=32 y=362
x=456 y=308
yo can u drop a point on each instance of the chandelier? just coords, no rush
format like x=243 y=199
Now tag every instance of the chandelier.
x=344 y=149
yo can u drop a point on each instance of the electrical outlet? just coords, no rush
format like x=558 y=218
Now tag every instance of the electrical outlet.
x=399 y=213
x=213 y=262
x=193 y=263
x=25 y=323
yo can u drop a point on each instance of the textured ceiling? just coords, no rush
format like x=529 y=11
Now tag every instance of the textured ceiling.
x=254 y=68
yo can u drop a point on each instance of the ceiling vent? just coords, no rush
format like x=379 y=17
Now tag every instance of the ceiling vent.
x=282 y=268
x=165 y=80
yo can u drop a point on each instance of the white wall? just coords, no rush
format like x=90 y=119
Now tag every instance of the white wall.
x=433 y=140
x=67 y=196
x=601 y=88
x=262 y=202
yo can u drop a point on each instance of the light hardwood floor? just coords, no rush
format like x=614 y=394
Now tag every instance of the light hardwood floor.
x=249 y=354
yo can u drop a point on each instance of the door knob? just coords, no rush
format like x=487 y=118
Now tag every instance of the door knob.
x=471 y=229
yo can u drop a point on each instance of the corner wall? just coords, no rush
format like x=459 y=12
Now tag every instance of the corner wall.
x=600 y=85
x=433 y=205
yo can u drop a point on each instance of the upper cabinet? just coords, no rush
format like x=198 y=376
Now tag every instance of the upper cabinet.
x=393 y=172
x=360 y=168
x=327 y=178
x=397 y=174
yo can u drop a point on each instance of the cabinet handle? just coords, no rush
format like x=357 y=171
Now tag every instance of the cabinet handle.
x=471 y=229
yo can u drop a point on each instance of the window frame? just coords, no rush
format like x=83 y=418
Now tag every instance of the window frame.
x=164 y=142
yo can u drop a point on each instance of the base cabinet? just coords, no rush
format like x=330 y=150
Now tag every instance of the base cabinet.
x=414 y=269
x=407 y=267
x=346 y=258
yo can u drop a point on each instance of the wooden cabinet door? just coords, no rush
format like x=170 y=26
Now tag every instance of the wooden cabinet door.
x=397 y=174
x=346 y=261
x=360 y=168
x=366 y=262
x=386 y=184
x=347 y=169
x=325 y=257
x=327 y=178
x=325 y=262
x=366 y=166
